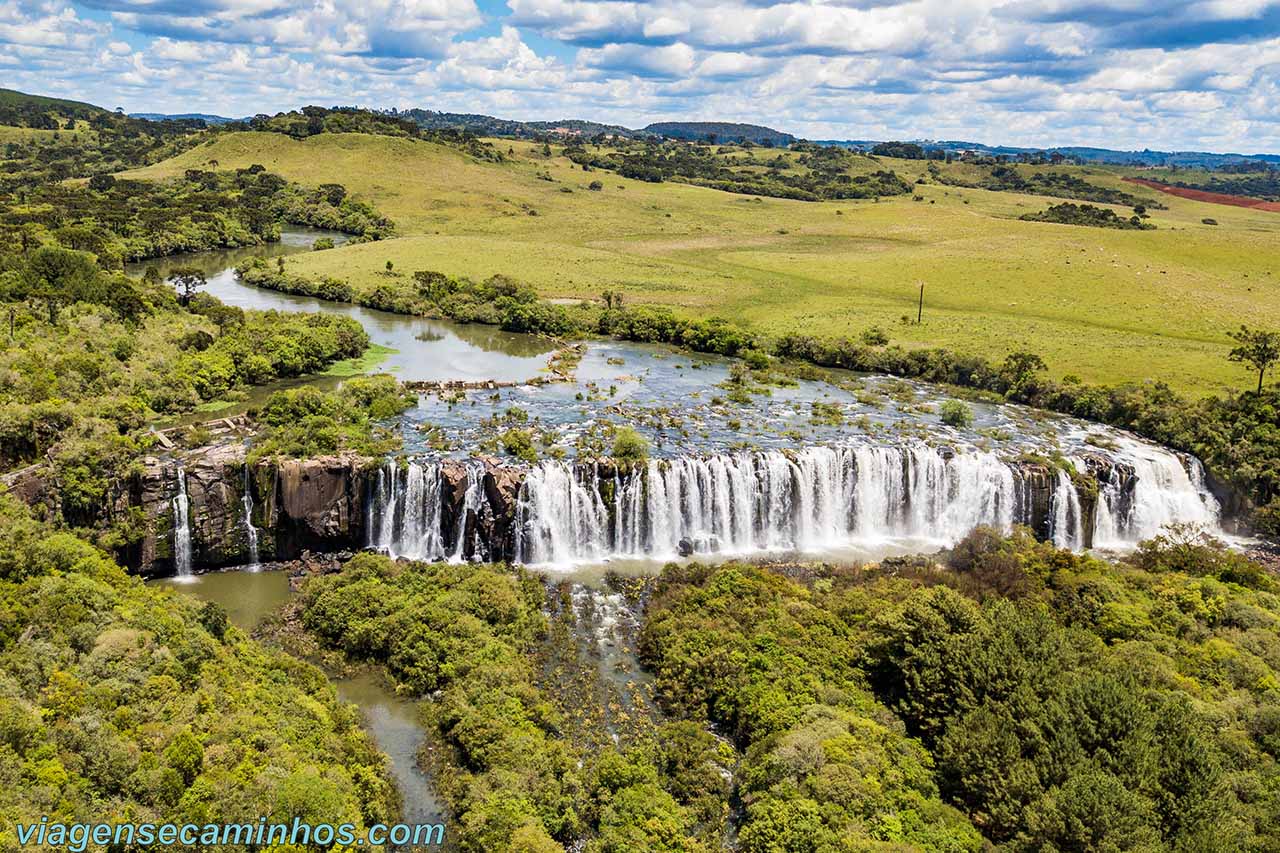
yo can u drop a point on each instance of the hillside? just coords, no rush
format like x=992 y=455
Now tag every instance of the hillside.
x=1150 y=304
x=18 y=109
x=1110 y=156
x=722 y=131
x=485 y=125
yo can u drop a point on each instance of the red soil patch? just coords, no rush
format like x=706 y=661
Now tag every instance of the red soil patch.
x=1211 y=198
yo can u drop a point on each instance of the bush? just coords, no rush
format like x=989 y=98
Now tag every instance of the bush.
x=629 y=445
x=519 y=443
x=875 y=337
x=956 y=414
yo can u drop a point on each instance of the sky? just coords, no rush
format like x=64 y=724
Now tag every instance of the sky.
x=1160 y=74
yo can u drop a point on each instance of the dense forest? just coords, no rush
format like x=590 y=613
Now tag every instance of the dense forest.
x=1011 y=693
x=122 y=701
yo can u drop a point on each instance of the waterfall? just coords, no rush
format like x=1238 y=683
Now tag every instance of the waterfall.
x=815 y=499
x=812 y=500
x=560 y=515
x=473 y=504
x=181 y=527
x=250 y=532
x=1162 y=490
x=405 y=515
x=1067 y=516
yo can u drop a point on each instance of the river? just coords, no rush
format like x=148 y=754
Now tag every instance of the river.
x=847 y=465
x=424 y=349
x=391 y=720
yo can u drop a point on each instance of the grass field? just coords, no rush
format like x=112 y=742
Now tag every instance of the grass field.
x=29 y=134
x=1105 y=305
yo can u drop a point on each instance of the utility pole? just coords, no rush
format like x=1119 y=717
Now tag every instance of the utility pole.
x=920 y=306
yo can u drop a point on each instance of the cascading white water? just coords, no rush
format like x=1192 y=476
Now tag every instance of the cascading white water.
x=559 y=516
x=1163 y=491
x=181 y=527
x=405 y=519
x=473 y=503
x=1067 y=515
x=250 y=532
x=814 y=499
x=811 y=500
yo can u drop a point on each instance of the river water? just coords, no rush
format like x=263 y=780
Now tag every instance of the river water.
x=838 y=464
x=392 y=721
x=424 y=349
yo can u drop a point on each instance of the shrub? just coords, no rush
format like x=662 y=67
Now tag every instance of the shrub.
x=956 y=413
x=875 y=337
x=519 y=443
x=629 y=445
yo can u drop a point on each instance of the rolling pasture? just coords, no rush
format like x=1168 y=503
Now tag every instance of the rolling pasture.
x=1104 y=305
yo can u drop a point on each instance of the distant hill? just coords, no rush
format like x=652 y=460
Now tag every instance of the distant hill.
x=723 y=131
x=483 y=125
x=1146 y=157
x=207 y=118
x=24 y=110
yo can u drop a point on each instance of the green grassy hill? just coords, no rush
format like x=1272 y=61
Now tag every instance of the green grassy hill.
x=13 y=98
x=1104 y=305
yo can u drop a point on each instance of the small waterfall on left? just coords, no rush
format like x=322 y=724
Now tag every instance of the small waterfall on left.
x=250 y=532
x=181 y=527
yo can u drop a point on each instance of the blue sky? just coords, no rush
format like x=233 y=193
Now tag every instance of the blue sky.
x=1126 y=73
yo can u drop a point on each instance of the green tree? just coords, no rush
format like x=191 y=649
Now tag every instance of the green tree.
x=1257 y=348
x=186 y=280
x=58 y=277
x=1019 y=371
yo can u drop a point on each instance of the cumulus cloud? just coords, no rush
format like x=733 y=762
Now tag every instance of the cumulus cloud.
x=1121 y=73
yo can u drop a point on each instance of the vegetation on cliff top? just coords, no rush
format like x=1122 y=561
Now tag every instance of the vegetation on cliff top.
x=90 y=359
x=302 y=422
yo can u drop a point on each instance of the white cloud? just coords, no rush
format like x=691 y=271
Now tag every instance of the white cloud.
x=1121 y=73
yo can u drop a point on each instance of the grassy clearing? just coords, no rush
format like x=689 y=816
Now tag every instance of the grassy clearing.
x=373 y=356
x=1104 y=305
